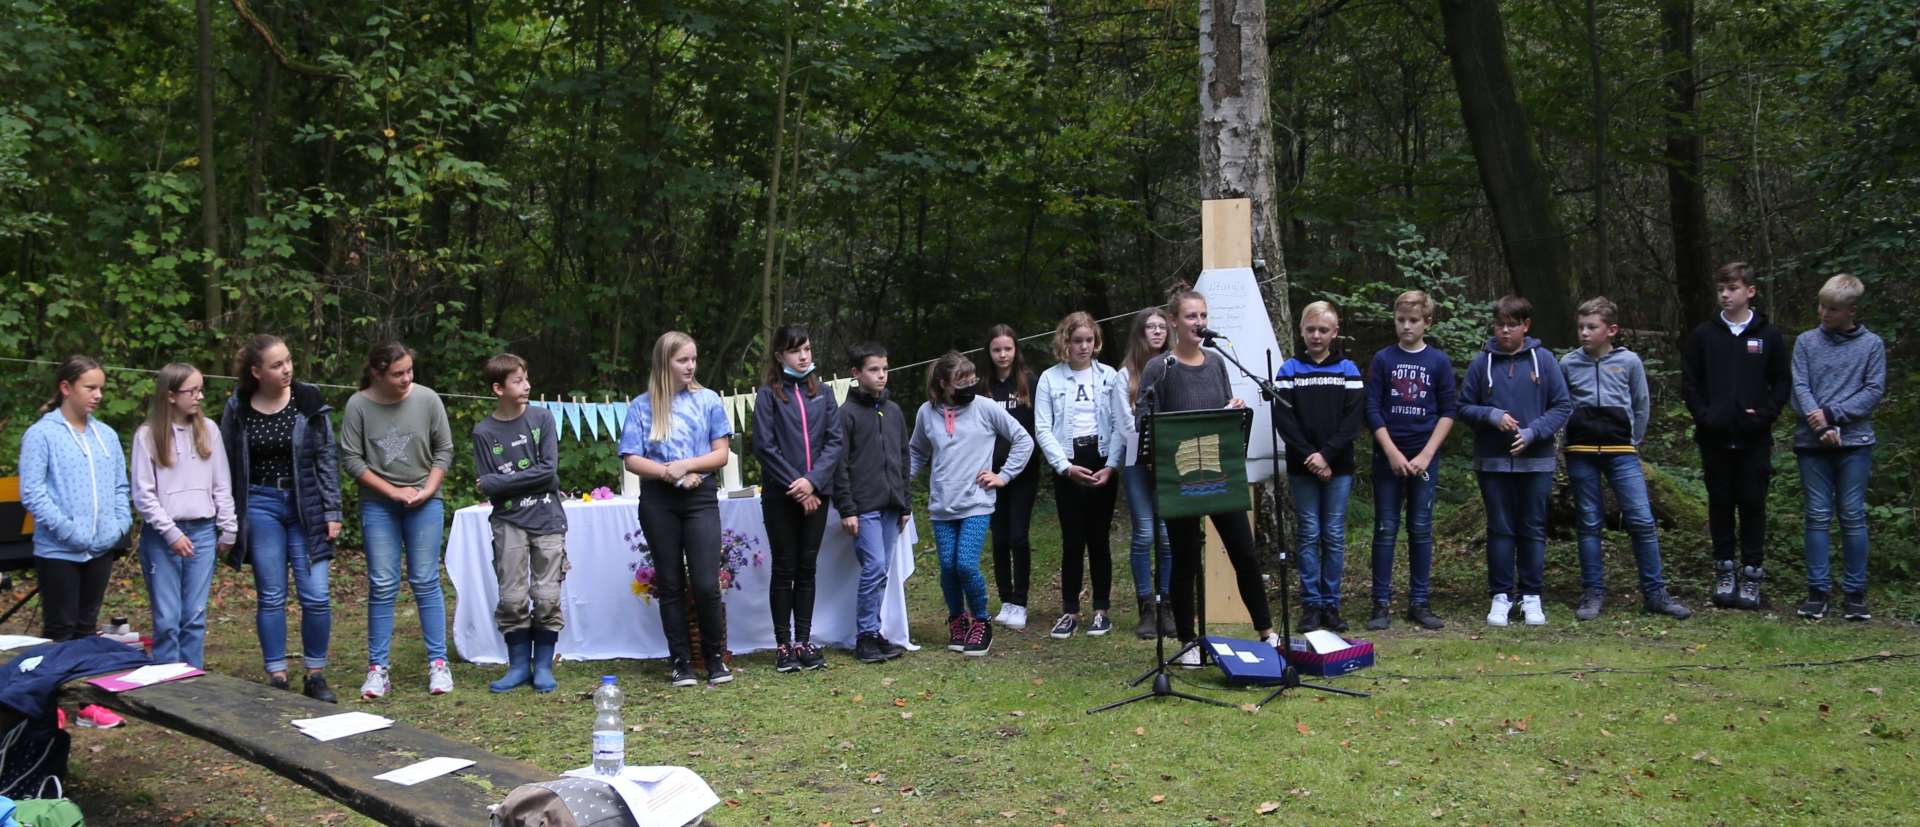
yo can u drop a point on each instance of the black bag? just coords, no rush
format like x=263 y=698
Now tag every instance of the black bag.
x=30 y=753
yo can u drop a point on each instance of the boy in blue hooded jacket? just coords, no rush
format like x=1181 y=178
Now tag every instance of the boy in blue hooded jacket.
x=1516 y=399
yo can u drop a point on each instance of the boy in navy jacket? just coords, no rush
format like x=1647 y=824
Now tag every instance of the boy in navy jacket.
x=1516 y=399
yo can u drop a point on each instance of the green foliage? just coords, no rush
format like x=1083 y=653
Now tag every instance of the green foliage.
x=1459 y=325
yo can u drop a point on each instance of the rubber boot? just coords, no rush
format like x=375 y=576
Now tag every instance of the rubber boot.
x=1167 y=627
x=517 y=653
x=543 y=641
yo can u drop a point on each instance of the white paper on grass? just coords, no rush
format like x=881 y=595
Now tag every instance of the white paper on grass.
x=1325 y=642
x=1235 y=308
x=419 y=771
x=658 y=796
x=148 y=675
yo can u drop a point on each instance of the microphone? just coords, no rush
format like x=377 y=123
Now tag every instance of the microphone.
x=1168 y=362
x=1210 y=333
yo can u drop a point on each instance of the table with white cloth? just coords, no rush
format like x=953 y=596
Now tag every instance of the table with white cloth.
x=606 y=618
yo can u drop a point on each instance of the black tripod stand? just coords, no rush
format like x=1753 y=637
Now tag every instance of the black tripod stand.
x=1289 y=675
x=1162 y=682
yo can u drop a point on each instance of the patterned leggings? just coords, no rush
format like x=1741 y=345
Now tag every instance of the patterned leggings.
x=958 y=542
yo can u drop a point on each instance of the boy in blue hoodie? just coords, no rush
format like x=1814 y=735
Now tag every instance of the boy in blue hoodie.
x=1839 y=377
x=1516 y=399
x=73 y=480
x=1608 y=386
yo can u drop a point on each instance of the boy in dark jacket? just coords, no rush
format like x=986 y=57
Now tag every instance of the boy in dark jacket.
x=1736 y=379
x=1324 y=405
x=1839 y=377
x=1516 y=399
x=1608 y=386
x=516 y=462
x=870 y=489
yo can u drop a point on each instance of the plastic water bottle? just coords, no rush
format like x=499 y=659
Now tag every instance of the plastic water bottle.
x=609 y=734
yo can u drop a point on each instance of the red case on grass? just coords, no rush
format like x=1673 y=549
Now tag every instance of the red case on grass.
x=1357 y=655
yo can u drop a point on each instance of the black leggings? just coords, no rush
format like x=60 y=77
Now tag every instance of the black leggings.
x=1737 y=481
x=1012 y=551
x=70 y=595
x=794 y=536
x=1086 y=523
x=682 y=528
x=1188 y=544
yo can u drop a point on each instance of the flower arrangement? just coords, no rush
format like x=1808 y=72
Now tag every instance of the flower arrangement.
x=737 y=552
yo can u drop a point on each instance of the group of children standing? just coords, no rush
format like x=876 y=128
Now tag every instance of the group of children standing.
x=261 y=488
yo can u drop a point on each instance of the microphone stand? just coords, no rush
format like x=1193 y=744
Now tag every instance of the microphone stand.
x=1289 y=675
x=1162 y=682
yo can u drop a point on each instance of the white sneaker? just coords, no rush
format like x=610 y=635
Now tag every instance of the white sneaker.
x=1273 y=639
x=439 y=678
x=1189 y=659
x=1016 y=617
x=1001 y=618
x=377 y=683
x=1497 y=614
x=1535 y=613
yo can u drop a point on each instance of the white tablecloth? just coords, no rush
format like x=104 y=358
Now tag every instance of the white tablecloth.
x=605 y=619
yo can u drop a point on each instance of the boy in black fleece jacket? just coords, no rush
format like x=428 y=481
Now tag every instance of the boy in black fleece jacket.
x=1736 y=378
x=870 y=490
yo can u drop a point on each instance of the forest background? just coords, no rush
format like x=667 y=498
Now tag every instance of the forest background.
x=566 y=179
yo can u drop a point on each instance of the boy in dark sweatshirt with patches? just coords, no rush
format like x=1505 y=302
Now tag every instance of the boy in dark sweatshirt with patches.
x=1736 y=379
x=1516 y=399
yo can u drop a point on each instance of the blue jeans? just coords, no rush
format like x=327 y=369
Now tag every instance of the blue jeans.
x=1139 y=483
x=1585 y=472
x=1392 y=494
x=1516 y=530
x=958 y=543
x=277 y=544
x=1321 y=510
x=390 y=529
x=1836 y=480
x=879 y=531
x=177 y=589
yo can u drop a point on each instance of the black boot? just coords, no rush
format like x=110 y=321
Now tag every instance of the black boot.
x=1725 y=589
x=1145 y=629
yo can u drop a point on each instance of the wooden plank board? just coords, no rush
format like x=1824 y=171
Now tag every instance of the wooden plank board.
x=1226 y=233
x=1227 y=614
x=253 y=721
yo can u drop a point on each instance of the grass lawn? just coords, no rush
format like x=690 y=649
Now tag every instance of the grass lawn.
x=1625 y=720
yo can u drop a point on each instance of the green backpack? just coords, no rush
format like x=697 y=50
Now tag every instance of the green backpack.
x=48 y=812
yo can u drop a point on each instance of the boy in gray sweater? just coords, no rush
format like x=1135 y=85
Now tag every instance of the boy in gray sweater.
x=516 y=457
x=953 y=440
x=1839 y=377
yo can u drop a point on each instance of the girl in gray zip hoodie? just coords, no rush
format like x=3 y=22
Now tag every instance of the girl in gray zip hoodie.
x=953 y=440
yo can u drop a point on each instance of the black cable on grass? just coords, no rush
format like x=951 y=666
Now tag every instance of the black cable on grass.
x=1877 y=657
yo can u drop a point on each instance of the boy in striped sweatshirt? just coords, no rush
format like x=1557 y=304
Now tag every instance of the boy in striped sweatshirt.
x=1608 y=386
x=1323 y=406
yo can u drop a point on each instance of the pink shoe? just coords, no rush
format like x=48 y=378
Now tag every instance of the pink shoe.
x=95 y=716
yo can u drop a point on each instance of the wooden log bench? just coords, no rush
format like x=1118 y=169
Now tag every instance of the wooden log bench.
x=254 y=721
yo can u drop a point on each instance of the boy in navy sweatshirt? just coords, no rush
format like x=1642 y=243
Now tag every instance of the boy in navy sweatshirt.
x=1411 y=405
x=1608 y=386
x=1325 y=402
x=1839 y=377
x=1736 y=379
x=1516 y=399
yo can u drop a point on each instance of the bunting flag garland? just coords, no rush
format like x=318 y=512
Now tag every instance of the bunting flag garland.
x=571 y=411
x=613 y=413
x=592 y=412
x=559 y=421
x=840 y=388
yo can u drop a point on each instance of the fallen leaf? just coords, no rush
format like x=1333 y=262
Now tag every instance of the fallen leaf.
x=1876 y=691
x=1018 y=714
x=1157 y=798
x=1302 y=728
x=1139 y=730
x=1009 y=813
x=899 y=701
x=1267 y=807
x=732 y=802
x=1059 y=811
x=905 y=715
x=876 y=777
x=1671 y=718
x=886 y=681
x=859 y=698
x=1604 y=733
x=696 y=753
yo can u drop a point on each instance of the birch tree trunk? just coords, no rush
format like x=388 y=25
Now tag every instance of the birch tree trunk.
x=1236 y=161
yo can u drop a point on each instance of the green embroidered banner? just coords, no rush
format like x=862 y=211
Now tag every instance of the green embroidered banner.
x=1200 y=462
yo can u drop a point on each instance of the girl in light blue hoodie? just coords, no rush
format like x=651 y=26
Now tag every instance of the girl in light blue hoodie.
x=73 y=480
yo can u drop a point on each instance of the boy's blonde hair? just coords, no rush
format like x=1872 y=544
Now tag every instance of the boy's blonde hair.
x=1320 y=308
x=1842 y=290
x=1601 y=306
x=1417 y=301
